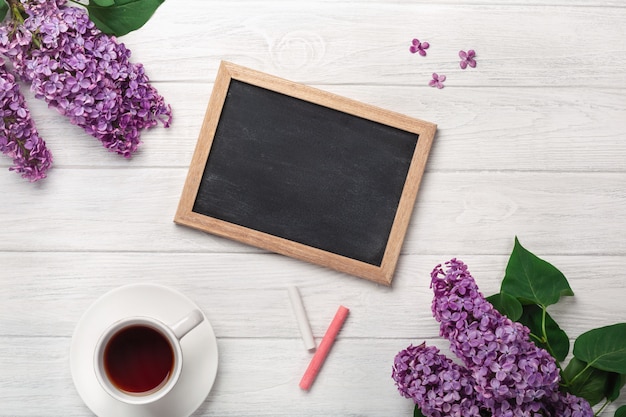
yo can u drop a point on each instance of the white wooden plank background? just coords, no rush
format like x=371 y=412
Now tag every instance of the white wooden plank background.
x=530 y=143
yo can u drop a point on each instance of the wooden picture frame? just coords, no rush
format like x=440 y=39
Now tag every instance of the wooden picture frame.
x=305 y=173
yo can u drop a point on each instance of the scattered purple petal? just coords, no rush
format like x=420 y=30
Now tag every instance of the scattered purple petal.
x=437 y=80
x=467 y=59
x=419 y=47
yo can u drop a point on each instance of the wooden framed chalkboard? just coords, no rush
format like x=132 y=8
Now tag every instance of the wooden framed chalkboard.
x=305 y=173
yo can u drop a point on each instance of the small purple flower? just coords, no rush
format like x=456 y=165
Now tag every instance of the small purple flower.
x=419 y=47
x=568 y=405
x=467 y=59
x=437 y=80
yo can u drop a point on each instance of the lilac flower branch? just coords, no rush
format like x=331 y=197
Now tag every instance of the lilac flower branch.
x=19 y=138
x=84 y=73
x=508 y=374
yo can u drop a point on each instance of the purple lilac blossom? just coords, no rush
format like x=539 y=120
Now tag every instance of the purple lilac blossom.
x=437 y=80
x=419 y=47
x=506 y=375
x=567 y=405
x=437 y=385
x=510 y=371
x=19 y=138
x=85 y=74
x=467 y=59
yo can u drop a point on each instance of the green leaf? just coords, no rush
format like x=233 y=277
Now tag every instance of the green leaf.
x=123 y=16
x=103 y=3
x=603 y=348
x=614 y=386
x=506 y=304
x=586 y=382
x=4 y=8
x=557 y=342
x=621 y=412
x=417 y=412
x=533 y=280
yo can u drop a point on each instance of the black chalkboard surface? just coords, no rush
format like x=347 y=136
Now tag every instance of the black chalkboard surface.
x=302 y=172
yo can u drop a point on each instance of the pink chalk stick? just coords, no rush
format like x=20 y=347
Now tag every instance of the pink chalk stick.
x=322 y=351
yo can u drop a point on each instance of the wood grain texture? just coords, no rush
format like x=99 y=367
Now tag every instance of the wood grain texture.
x=367 y=42
x=530 y=143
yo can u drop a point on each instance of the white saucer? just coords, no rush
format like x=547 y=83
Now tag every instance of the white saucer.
x=199 y=351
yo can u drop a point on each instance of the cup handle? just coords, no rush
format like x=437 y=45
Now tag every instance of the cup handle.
x=187 y=323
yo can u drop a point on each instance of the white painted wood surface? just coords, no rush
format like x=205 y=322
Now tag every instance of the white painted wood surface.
x=531 y=143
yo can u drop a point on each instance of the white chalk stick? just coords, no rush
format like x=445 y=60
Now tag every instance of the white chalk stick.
x=303 y=322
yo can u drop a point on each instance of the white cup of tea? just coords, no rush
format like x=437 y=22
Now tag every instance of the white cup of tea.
x=138 y=360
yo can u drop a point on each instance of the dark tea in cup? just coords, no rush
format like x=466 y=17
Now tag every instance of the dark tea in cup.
x=139 y=359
